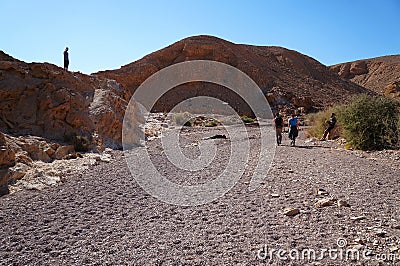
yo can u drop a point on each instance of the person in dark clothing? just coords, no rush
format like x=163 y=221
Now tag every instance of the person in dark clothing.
x=293 y=130
x=278 y=122
x=331 y=125
x=66 y=59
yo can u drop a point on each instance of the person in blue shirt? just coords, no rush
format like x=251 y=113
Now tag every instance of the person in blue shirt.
x=293 y=129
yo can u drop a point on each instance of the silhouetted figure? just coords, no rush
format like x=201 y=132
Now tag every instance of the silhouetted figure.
x=331 y=125
x=66 y=59
x=278 y=121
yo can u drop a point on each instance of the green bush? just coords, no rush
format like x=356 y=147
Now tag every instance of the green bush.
x=212 y=123
x=182 y=119
x=80 y=143
x=367 y=122
x=318 y=121
x=247 y=119
x=371 y=123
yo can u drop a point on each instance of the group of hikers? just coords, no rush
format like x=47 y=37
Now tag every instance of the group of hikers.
x=293 y=125
x=293 y=122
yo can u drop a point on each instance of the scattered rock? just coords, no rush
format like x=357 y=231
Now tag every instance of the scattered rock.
x=325 y=202
x=63 y=151
x=7 y=157
x=359 y=241
x=291 y=212
x=43 y=156
x=103 y=158
x=358 y=246
x=218 y=136
x=342 y=203
x=49 y=151
x=10 y=175
x=321 y=192
x=70 y=156
x=396 y=226
x=18 y=171
x=380 y=232
x=24 y=158
x=311 y=140
x=357 y=218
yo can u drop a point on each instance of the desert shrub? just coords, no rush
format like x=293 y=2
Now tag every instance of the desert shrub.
x=80 y=143
x=211 y=123
x=318 y=120
x=367 y=122
x=371 y=122
x=182 y=119
x=247 y=119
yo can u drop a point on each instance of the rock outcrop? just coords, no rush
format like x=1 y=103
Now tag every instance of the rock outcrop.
x=393 y=90
x=42 y=99
x=380 y=74
x=286 y=77
x=43 y=107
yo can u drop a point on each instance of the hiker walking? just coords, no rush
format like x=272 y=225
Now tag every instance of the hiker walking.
x=331 y=125
x=293 y=130
x=66 y=59
x=278 y=122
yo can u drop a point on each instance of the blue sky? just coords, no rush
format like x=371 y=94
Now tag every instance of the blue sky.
x=108 y=34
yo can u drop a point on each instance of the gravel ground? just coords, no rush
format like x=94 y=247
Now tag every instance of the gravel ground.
x=101 y=216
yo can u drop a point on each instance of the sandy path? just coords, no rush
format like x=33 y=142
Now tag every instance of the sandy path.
x=102 y=217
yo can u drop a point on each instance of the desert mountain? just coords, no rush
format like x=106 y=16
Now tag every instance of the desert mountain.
x=380 y=74
x=286 y=77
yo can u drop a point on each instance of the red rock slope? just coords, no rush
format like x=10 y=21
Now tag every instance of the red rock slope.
x=286 y=77
x=42 y=99
x=380 y=74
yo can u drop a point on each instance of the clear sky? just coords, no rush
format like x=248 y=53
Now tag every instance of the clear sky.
x=108 y=34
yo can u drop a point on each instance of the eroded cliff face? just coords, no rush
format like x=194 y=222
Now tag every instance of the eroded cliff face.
x=42 y=99
x=380 y=74
x=43 y=108
x=287 y=78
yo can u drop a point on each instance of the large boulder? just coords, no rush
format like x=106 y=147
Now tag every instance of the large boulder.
x=393 y=90
x=63 y=151
x=7 y=157
x=7 y=154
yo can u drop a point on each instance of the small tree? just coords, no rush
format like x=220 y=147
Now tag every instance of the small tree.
x=370 y=122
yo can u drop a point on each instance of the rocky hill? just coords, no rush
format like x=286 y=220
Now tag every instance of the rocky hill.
x=286 y=77
x=42 y=99
x=380 y=74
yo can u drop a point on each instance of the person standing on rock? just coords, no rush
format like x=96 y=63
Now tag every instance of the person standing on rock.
x=278 y=122
x=293 y=129
x=331 y=125
x=66 y=59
